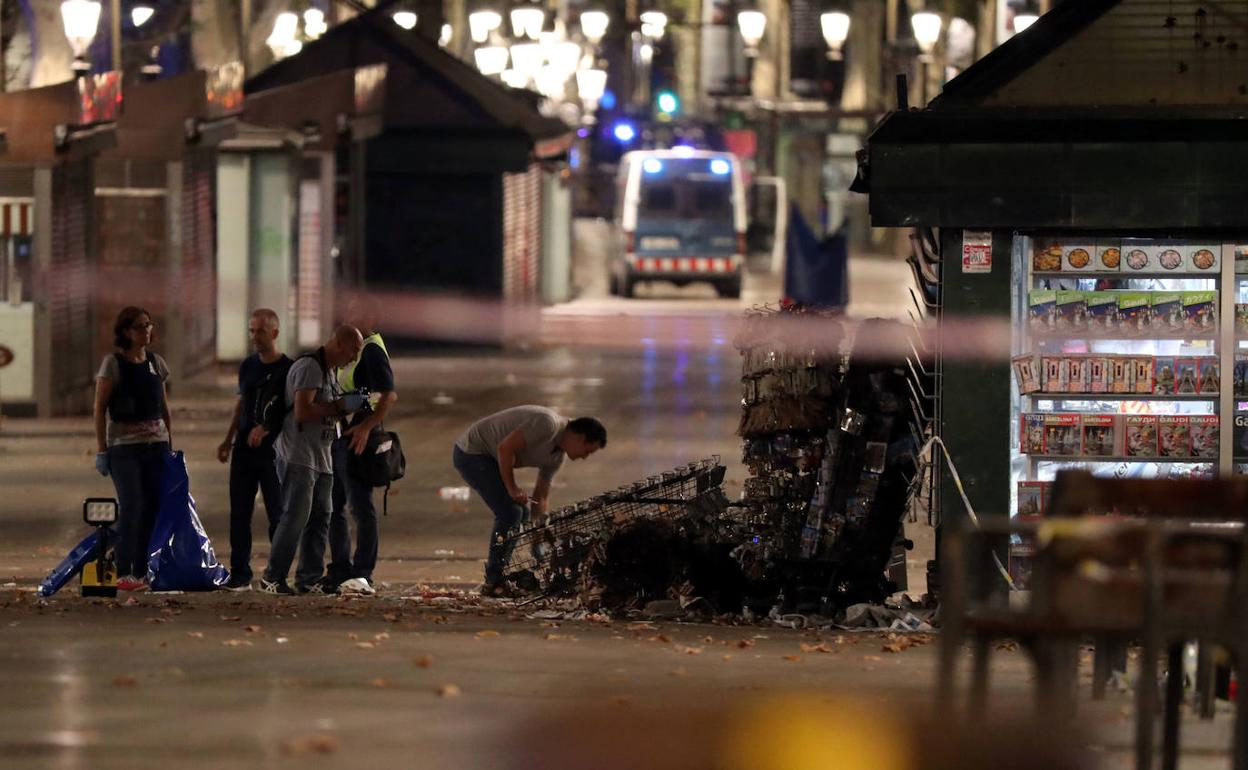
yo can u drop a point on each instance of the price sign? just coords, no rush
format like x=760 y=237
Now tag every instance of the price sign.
x=976 y=251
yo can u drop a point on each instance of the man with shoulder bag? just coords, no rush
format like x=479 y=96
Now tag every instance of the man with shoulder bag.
x=365 y=457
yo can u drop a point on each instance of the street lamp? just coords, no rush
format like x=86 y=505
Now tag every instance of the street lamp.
x=590 y=86
x=491 y=59
x=926 y=26
x=405 y=19
x=314 y=23
x=140 y=14
x=80 y=18
x=482 y=23
x=1024 y=20
x=283 y=41
x=527 y=59
x=752 y=25
x=594 y=25
x=527 y=21
x=835 y=31
x=653 y=24
x=445 y=35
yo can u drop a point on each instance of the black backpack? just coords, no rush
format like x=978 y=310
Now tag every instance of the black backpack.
x=381 y=463
x=269 y=409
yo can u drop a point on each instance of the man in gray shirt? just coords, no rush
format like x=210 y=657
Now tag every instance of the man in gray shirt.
x=303 y=461
x=488 y=452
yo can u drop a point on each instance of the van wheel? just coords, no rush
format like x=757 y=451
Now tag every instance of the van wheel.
x=730 y=289
x=627 y=286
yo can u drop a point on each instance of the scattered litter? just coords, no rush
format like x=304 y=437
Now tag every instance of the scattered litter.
x=365 y=645
x=281 y=640
x=461 y=494
x=488 y=634
x=424 y=661
x=237 y=643
x=442 y=399
x=310 y=744
x=449 y=691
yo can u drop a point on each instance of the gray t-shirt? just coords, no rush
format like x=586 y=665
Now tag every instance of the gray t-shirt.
x=540 y=426
x=143 y=431
x=307 y=443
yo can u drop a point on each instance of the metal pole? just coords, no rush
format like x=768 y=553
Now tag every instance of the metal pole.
x=115 y=13
x=244 y=28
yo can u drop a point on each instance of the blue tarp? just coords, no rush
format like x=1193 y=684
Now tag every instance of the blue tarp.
x=816 y=272
x=180 y=554
x=71 y=565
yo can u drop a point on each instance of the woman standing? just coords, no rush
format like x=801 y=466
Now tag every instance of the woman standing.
x=132 y=434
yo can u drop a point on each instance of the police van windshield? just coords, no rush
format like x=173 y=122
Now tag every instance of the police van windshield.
x=686 y=188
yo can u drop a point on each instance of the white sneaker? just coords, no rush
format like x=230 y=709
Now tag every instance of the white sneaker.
x=356 y=586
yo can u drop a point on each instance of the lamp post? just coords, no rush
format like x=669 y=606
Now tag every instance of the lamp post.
x=80 y=18
x=594 y=26
x=751 y=25
x=926 y=26
x=481 y=23
x=1024 y=20
x=527 y=21
x=835 y=27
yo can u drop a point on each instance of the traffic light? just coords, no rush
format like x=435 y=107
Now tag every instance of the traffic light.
x=668 y=103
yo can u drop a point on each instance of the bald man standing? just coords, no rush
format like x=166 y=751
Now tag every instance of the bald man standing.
x=304 y=465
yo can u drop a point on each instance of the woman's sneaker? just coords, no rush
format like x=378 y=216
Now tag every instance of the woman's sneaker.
x=322 y=587
x=276 y=587
x=356 y=586
x=237 y=584
x=131 y=583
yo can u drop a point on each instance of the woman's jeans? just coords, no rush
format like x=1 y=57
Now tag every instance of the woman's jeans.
x=481 y=473
x=136 y=470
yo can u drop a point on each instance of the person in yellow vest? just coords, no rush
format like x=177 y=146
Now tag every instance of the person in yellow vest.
x=348 y=572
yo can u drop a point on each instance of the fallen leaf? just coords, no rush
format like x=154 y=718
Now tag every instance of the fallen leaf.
x=727 y=657
x=661 y=638
x=157 y=620
x=352 y=636
x=383 y=636
x=641 y=626
x=365 y=645
x=793 y=658
x=745 y=643
x=424 y=661
x=1010 y=646
x=390 y=617
x=449 y=691
x=125 y=681
x=486 y=634
x=708 y=640
x=163 y=644
x=682 y=671
x=310 y=744
x=231 y=617
x=820 y=647
x=379 y=682
x=872 y=657
x=560 y=637
x=690 y=650
x=281 y=640
x=195 y=634
x=237 y=643
x=622 y=700
x=251 y=629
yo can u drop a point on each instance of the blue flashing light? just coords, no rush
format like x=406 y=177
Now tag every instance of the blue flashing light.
x=668 y=103
x=683 y=150
x=607 y=102
x=720 y=166
x=652 y=165
x=624 y=132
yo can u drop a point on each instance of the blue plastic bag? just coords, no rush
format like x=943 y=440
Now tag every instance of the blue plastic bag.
x=71 y=565
x=816 y=272
x=180 y=553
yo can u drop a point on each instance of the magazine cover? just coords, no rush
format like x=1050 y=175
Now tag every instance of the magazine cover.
x=1240 y=436
x=1174 y=437
x=1100 y=435
x=1240 y=384
x=1098 y=374
x=1026 y=374
x=1141 y=435
x=1204 y=430
x=1200 y=311
x=1208 y=376
x=1078 y=375
x=1032 y=434
x=1030 y=498
x=1164 y=381
x=1061 y=435
x=1167 y=311
x=1102 y=312
x=1185 y=376
x=1142 y=375
x=1120 y=375
x=1072 y=310
x=1053 y=374
x=1042 y=311
x=1134 y=312
x=1241 y=319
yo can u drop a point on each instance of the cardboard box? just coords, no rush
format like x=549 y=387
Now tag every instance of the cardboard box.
x=1072 y=310
x=1030 y=498
x=1078 y=257
x=1032 y=434
x=1108 y=255
x=1208 y=376
x=1134 y=313
x=1204 y=432
x=1078 y=375
x=1136 y=256
x=1042 y=311
x=1164 y=377
x=1140 y=435
x=1200 y=312
x=1166 y=311
x=1121 y=375
x=1174 y=438
x=1100 y=435
x=1202 y=257
x=1098 y=374
x=1026 y=374
x=1053 y=374
x=1185 y=376
x=1142 y=376
x=1062 y=435
x=1102 y=312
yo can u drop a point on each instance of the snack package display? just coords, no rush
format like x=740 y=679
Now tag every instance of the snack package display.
x=1208 y=376
x=1204 y=432
x=1167 y=311
x=1046 y=256
x=1077 y=256
x=1061 y=435
x=1030 y=498
x=1100 y=435
x=1185 y=376
x=1053 y=374
x=1240 y=382
x=1121 y=375
x=1164 y=381
x=1032 y=434
x=1165 y=256
x=1135 y=256
x=1142 y=375
x=1201 y=257
x=1174 y=437
x=1072 y=310
x=1140 y=435
x=1108 y=255
x=1200 y=311
x=1098 y=374
x=1134 y=313
x=1078 y=374
x=1042 y=311
x=1026 y=374
x=1102 y=311
x=1241 y=319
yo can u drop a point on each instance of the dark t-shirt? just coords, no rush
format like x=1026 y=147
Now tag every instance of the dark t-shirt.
x=373 y=371
x=252 y=373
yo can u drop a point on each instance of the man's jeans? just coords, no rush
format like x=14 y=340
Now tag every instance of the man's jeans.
x=306 y=506
x=136 y=470
x=350 y=491
x=481 y=473
x=249 y=469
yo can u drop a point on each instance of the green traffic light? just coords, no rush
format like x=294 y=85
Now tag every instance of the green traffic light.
x=668 y=103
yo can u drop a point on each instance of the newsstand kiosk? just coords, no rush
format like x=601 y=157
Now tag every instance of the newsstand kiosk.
x=1087 y=180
